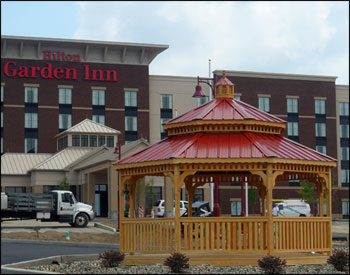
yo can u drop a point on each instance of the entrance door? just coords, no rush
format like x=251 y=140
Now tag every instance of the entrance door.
x=101 y=200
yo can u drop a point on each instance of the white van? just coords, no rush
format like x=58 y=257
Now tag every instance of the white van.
x=293 y=208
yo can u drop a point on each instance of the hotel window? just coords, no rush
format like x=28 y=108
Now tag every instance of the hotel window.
x=64 y=121
x=322 y=149
x=236 y=208
x=2 y=93
x=320 y=129
x=110 y=141
x=99 y=119
x=197 y=196
x=293 y=180
x=30 y=145
x=130 y=123
x=344 y=131
x=344 y=108
x=344 y=153
x=293 y=129
x=31 y=95
x=93 y=141
x=98 y=97
x=49 y=188
x=166 y=101
x=62 y=143
x=320 y=106
x=65 y=96
x=130 y=99
x=202 y=100
x=101 y=140
x=345 y=176
x=345 y=209
x=292 y=105
x=2 y=145
x=76 y=140
x=162 y=121
x=15 y=189
x=2 y=119
x=31 y=120
x=84 y=140
x=264 y=104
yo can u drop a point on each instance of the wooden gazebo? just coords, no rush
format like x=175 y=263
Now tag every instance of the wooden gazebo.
x=222 y=141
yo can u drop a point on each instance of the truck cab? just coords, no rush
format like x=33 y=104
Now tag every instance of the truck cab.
x=68 y=209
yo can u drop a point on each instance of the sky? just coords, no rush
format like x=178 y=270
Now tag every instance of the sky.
x=306 y=37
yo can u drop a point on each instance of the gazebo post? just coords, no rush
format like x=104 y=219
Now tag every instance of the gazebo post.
x=269 y=209
x=320 y=197
x=132 y=198
x=177 y=189
x=329 y=208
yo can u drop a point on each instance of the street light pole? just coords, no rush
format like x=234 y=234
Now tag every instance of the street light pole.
x=210 y=81
x=117 y=150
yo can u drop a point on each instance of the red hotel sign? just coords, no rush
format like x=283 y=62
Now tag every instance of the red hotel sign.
x=11 y=69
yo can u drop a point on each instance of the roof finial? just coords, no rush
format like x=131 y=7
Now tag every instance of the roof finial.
x=224 y=87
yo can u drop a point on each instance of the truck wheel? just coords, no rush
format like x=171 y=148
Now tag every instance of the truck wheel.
x=302 y=215
x=81 y=220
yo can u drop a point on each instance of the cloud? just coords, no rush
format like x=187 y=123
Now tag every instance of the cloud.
x=281 y=37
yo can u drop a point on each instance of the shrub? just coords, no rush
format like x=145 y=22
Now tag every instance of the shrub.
x=340 y=260
x=272 y=265
x=176 y=262
x=111 y=258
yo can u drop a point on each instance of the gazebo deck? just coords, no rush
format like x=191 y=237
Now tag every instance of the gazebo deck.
x=227 y=259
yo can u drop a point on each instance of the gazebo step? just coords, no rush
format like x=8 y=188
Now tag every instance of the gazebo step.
x=225 y=259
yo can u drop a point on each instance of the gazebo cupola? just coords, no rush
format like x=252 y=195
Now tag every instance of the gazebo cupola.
x=224 y=88
x=224 y=114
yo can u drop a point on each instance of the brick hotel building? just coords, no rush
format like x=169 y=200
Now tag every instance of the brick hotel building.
x=62 y=100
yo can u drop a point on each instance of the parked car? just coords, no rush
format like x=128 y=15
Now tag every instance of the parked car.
x=200 y=209
x=159 y=208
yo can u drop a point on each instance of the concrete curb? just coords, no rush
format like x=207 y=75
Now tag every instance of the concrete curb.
x=75 y=244
x=105 y=227
x=18 y=268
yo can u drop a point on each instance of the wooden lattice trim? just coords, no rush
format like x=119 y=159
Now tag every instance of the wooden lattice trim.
x=226 y=126
x=225 y=165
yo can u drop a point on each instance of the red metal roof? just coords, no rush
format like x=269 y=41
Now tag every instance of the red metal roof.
x=225 y=145
x=225 y=109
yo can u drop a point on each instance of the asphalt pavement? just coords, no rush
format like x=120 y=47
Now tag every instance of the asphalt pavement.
x=30 y=225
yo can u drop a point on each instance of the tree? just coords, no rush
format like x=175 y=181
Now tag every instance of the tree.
x=64 y=184
x=252 y=195
x=307 y=192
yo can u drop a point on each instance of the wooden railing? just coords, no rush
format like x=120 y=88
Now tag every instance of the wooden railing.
x=147 y=235
x=224 y=235
x=302 y=234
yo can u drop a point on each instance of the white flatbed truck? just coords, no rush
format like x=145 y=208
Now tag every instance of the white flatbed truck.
x=58 y=205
